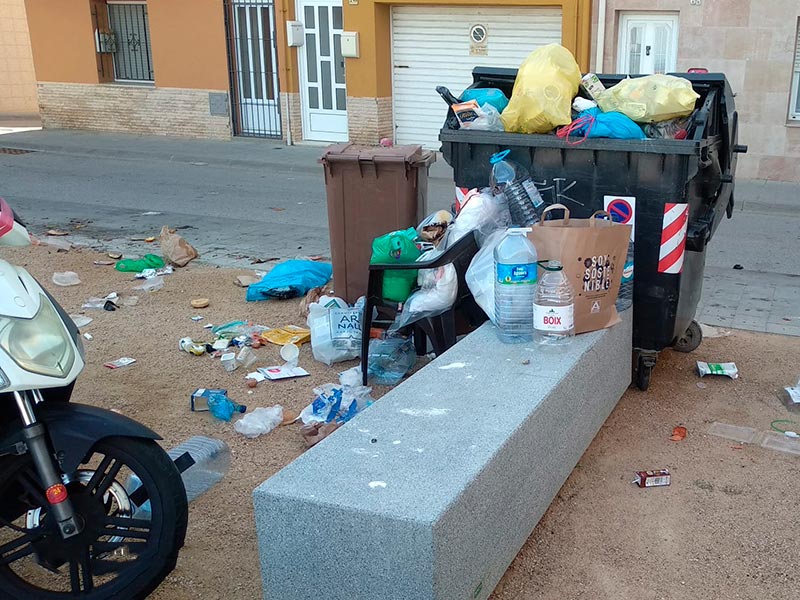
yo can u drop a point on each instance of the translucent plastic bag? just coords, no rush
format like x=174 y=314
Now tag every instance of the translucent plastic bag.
x=335 y=329
x=481 y=273
x=546 y=83
x=437 y=293
x=650 y=99
x=481 y=212
x=488 y=120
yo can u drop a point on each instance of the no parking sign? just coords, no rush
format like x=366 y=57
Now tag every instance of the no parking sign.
x=622 y=210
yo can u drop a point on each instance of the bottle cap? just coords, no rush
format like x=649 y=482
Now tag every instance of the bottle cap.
x=552 y=265
x=519 y=230
x=496 y=158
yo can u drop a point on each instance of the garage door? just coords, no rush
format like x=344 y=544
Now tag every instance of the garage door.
x=440 y=45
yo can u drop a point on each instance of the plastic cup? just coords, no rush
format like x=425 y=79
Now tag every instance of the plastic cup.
x=290 y=353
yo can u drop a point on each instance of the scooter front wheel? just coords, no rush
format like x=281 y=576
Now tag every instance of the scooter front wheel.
x=123 y=551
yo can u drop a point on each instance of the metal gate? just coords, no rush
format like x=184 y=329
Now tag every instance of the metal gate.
x=253 y=66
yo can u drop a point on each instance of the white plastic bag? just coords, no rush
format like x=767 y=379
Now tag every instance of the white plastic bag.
x=482 y=212
x=481 y=274
x=437 y=293
x=488 y=120
x=335 y=329
x=261 y=420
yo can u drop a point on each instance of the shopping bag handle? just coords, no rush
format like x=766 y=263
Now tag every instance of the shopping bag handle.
x=555 y=206
x=599 y=213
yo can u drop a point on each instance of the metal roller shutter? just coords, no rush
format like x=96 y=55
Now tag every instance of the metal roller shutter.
x=431 y=46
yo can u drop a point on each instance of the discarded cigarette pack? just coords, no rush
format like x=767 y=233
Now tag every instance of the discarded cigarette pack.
x=283 y=372
x=466 y=112
x=592 y=85
x=120 y=362
x=657 y=478
x=198 y=401
x=728 y=369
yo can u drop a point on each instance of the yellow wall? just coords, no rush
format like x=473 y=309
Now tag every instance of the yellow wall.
x=17 y=77
x=370 y=76
x=188 y=43
x=62 y=39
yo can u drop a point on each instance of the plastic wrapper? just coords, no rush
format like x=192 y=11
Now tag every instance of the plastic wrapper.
x=650 y=99
x=336 y=403
x=437 y=293
x=176 y=249
x=390 y=359
x=434 y=228
x=481 y=212
x=335 y=329
x=487 y=118
x=260 y=421
x=481 y=274
x=546 y=83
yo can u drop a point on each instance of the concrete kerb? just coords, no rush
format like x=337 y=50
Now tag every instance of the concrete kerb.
x=431 y=492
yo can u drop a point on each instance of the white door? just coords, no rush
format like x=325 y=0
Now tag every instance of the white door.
x=647 y=44
x=256 y=97
x=440 y=45
x=323 y=91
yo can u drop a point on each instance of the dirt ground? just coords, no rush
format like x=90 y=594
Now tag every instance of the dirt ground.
x=726 y=527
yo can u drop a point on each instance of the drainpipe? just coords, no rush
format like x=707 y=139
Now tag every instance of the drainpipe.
x=288 y=76
x=601 y=36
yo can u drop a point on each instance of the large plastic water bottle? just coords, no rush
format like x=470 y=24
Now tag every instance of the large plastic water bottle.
x=514 y=286
x=212 y=459
x=514 y=182
x=625 y=297
x=554 y=307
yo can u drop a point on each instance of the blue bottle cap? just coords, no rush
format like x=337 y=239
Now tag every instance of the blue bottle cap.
x=496 y=158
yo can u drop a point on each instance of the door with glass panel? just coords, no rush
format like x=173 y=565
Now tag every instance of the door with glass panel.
x=647 y=43
x=323 y=92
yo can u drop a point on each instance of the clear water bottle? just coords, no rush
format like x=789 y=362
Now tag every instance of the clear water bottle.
x=625 y=297
x=513 y=181
x=212 y=459
x=514 y=286
x=554 y=307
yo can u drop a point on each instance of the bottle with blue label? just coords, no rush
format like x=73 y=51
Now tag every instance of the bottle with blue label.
x=514 y=286
x=514 y=183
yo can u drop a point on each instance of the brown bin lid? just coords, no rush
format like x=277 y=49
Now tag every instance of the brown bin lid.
x=376 y=154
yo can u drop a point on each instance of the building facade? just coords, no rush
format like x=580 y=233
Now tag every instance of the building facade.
x=754 y=43
x=17 y=78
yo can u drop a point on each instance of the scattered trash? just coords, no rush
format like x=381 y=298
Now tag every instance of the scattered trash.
x=678 y=434
x=290 y=353
x=335 y=329
x=251 y=383
x=223 y=407
x=150 y=273
x=738 y=267
x=336 y=403
x=286 y=371
x=774 y=440
x=701 y=385
x=191 y=347
x=57 y=232
x=315 y=432
x=453 y=365
x=228 y=361
x=289 y=416
x=351 y=377
x=66 y=278
x=176 y=249
x=130 y=265
x=652 y=98
x=773 y=425
x=130 y=300
x=290 y=279
x=527 y=361
x=110 y=306
x=245 y=357
x=88 y=336
x=151 y=213
x=150 y=285
x=221 y=344
x=658 y=478
x=289 y=334
x=81 y=321
x=260 y=421
x=709 y=331
x=118 y=255
x=246 y=280
x=727 y=369
x=120 y=362
x=792 y=399
x=197 y=318
x=103 y=263
x=745 y=435
x=792 y=434
x=390 y=359
x=60 y=244
x=150 y=239
x=99 y=303
x=200 y=303
x=198 y=401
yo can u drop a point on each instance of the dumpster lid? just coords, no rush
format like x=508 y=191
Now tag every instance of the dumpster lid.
x=354 y=152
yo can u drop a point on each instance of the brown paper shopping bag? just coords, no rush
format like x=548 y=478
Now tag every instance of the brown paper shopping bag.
x=592 y=252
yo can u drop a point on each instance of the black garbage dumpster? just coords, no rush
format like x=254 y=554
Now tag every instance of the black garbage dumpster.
x=682 y=188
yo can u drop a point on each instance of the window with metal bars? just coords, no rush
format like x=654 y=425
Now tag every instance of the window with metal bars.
x=133 y=59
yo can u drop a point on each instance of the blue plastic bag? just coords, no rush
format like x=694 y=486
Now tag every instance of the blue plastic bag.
x=599 y=124
x=290 y=279
x=483 y=96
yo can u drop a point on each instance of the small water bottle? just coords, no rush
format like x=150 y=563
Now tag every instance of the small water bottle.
x=625 y=297
x=513 y=181
x=514 y=286
x=223 y=407
x=554 y=307
x=212 y=459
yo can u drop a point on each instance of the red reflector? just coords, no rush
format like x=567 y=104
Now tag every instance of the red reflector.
x=56 y=494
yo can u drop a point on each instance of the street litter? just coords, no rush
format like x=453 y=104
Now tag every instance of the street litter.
x=779 y=441
x=120 y=362
x=246 y=280
x=336 y=403
x=150 y=273
x=288 y=334
x=200 y=303
x=223 y=407
x=709 y=331
x=60 y=244
x=290 y=279
x=390 y=359
x=678 y=434
x=100 y=303
x=198 y=400
x=150 y=213
x=130 y=300
x=260 y=421
x=727 y=369
x=245 y=357
x=658 y=478
x=282 y=372
x=103 y=263
x=792 y=399
x=197 y=318
x=221 y=344
x=228 y=361
x=150 y=285
x=150 y=239
x=745 y=435
x=118 y=255
x=335 y=329
x=290 y=353
x=188 y=345
x=57 y=232
x=66 y=278
x=80 y=321
x=176 y=249
x=130 y=265
x=88 y=336
x=315 y=432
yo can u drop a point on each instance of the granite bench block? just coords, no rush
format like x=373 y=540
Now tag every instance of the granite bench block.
x=431 y=492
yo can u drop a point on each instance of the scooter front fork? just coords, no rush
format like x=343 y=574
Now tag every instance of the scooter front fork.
x=56 y=494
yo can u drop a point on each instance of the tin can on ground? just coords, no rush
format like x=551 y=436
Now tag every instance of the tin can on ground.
x=657 y=478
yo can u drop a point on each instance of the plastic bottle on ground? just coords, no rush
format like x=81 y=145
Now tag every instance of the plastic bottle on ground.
x=223 y=407
x=514 y=286
x=554 y=307
x=514 y=182
x=625 y=297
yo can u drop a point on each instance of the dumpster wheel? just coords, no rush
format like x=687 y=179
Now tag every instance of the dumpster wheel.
x=644 y=369
x=690 y=340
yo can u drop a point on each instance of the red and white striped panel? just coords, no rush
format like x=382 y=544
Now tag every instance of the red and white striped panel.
x=673 y=238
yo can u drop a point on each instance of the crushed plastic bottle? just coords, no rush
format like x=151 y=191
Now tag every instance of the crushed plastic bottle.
x=223 y=407
x=625 y=297
x=513 y=181
x=390 y=359
x=554 y=307
x=514 y=286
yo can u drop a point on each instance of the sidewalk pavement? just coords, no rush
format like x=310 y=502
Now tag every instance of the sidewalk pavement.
x=764 y=235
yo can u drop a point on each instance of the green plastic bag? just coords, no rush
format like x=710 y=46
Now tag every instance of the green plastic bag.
x=148 y=261
x=396 y=247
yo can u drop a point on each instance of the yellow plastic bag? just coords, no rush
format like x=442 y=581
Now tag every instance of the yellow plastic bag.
x=650 y=99
x=546 y=83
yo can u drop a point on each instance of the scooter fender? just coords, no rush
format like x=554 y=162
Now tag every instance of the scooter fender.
x=74 y=428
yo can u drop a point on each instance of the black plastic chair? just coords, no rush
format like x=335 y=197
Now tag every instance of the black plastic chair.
x=440 y=330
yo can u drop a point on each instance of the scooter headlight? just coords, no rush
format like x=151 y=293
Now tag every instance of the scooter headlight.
x=40 y=345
